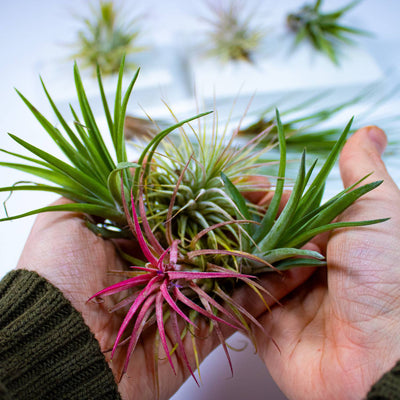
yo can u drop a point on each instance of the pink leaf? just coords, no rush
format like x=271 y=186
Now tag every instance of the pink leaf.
x=250 y=282
x=161 y=329
x=128 y=300
x=136 y=304
x=235 y=253
x=181 y=347
x=190 y=275
x=242 y=310
x=173 y=258
x=160 y=262
x=220 y=336
x=142 y=242
x=152 y=285
x=139 y=300
x=219 y=225
x=149 y=233
x=120 y=286
x=203 y=295
x=143 y=268
x=141 y=319
x=168 y=225
x=172 y=304
x=199 y=309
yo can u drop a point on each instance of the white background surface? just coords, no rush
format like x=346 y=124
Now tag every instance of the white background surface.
x=36 y=31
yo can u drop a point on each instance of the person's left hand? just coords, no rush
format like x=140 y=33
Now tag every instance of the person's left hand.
x=338 y=332
x=65 y=252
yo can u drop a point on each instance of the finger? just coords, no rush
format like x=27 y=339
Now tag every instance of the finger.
x=257 y=186
x=361 y=156
x=356 y=254
x=267 y=198
x=320 y=242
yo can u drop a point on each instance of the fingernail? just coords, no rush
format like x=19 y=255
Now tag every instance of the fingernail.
x=377 y=138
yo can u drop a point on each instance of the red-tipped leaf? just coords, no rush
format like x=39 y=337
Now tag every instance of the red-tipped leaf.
x=141 y=319
x=181 y=347
x=172 y=304
x=142 y=242
x=185 y=300
x=161 y=328
x=120 y=286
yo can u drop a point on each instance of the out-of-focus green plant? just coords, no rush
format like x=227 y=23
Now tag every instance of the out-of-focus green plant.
x=309 y=124
x=323 y=30
x=232 y=36
x=105 y=37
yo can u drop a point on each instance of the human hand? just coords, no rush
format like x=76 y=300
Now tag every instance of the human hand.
x=65 y=252
x=338 y=332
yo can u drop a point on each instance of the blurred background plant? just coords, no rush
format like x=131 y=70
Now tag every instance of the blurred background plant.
x=106 y=36
x=323 y=30
x=315 y=122
x=232 y=35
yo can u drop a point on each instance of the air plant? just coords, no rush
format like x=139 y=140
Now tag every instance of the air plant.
x=107 y=37
x=232 y=36
x=199 y=236
x=162 y=283
x=309 y=125
x=323 y=30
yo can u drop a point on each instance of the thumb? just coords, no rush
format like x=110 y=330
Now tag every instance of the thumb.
x=361 y=155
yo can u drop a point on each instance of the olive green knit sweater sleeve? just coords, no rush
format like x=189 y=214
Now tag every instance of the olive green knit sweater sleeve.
x=388 y=387
x=46 y=350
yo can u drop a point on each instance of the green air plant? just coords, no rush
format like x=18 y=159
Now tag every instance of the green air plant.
x=323 y=30
x=231 y=36
x=106 y=37
x=183 y=204
x=309 y=124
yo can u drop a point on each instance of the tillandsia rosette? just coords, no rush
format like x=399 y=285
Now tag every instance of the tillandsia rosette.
x=232 y=36
x=184 y=205
x=311 y=121
x=106 y=37
x=323 y=30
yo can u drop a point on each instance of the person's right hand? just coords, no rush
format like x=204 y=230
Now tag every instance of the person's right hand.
x=339 y=332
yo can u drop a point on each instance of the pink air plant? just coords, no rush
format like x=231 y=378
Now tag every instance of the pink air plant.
x=159 y=287
x=200 y=236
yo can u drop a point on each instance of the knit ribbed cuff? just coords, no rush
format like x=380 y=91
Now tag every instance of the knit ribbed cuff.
x=388 y=387
x=46 y=350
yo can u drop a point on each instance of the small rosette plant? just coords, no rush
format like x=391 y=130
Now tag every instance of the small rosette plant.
x=105 y=37
x=183 y=204
x=232 y=36
x=312 y=122
x=323 y=30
